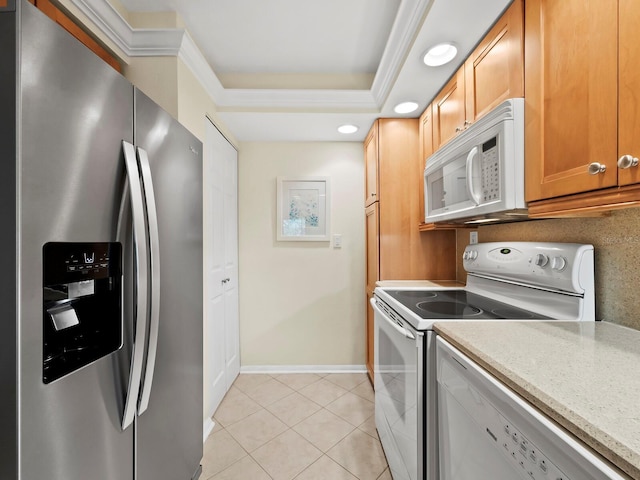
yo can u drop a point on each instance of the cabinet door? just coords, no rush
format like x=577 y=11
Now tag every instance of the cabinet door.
x=426 y=150
x=495 y=69
x=371 y=165
x=629 y=78
x=571 y=96
x=448 y=110
x=370 y=338
x=373 y=274
x=373 y=246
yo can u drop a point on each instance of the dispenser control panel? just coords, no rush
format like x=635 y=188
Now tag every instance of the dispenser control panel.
x=82 y=305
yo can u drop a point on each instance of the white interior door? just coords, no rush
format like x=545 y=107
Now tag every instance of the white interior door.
x=230 y=215
x=221 y=335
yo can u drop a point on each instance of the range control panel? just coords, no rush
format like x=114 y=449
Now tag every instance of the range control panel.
x=563 y=266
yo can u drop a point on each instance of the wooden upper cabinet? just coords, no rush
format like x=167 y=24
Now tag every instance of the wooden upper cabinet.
x=371 y=166
x=492 y=73
x=571 y=51
x=629 y=89
x=449 y=114
x=426 y=150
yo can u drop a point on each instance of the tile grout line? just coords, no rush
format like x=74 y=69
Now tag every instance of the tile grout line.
x=247 y=391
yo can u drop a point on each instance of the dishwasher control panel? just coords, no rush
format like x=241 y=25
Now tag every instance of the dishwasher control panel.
x=524 y=455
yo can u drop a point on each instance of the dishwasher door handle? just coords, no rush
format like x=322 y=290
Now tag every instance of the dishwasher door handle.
x=400 y=329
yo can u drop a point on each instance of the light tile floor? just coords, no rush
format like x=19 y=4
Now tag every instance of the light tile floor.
x=296 y=426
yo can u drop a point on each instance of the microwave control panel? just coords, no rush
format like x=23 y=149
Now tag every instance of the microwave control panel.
x=490 y=167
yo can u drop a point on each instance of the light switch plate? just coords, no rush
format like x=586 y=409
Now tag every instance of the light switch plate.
x=473 y=238
x=337 y=240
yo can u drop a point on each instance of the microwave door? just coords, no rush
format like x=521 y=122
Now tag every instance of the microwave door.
x=447 y=190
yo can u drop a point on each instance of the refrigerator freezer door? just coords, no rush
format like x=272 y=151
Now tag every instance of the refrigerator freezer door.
x=169 y=432
x=75 y=112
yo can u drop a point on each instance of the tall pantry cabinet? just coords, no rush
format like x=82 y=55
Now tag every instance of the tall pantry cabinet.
x=395 y=248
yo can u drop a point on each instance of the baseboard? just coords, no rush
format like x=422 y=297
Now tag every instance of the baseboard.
x=207 y=428
x=279 y=369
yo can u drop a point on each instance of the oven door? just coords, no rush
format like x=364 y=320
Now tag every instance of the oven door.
x=398 y=379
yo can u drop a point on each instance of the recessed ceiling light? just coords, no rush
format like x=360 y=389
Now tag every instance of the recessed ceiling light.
x=406 y=107
x=347 y=129
x=440 y=54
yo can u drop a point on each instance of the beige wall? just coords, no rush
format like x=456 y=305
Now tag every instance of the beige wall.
x=301 y=303
x=195 y=104
x=157 y=77
x=616 y=240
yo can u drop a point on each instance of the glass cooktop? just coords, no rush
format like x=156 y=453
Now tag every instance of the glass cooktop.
x=435 y=304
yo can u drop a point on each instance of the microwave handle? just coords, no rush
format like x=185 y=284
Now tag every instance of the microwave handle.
x=475 y=197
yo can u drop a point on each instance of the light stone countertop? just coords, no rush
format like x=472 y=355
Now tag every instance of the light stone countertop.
x=418 y=283
x=585 y=376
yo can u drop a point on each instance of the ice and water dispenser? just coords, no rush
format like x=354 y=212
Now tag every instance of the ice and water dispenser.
x=82 y=305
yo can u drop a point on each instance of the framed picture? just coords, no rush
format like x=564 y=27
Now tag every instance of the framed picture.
x=303 y=209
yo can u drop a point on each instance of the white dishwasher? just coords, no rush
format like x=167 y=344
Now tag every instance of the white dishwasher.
x=488 y=432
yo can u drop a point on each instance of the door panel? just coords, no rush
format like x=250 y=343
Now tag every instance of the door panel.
x=169 y=433
x=223 y=344
x=571 y=106
x=629 y=103
x=371 y=166
x=76 y=111
x=216 y=385
x=494 y=71
x=449 y=110
x=230 y=214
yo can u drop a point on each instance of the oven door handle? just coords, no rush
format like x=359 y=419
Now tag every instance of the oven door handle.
x=398 y=328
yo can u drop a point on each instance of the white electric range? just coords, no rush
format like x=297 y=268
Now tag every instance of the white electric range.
x=521 y=281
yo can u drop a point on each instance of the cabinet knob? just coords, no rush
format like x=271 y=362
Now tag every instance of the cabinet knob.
x=466 y=123
x=459 y=129
x=595 y=168
x=627 y=161
x=373 y=194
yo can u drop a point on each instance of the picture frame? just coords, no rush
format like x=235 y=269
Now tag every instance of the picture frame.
x=303 y=209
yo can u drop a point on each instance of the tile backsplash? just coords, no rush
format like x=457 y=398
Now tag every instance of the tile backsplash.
x=616 y=240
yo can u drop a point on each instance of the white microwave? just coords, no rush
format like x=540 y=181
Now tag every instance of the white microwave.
x=479 y=175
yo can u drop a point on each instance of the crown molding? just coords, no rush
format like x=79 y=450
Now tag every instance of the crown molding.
x=193 y=58
x=144 y=42
x=405 y=28
x=134 y=42
x=293 y=99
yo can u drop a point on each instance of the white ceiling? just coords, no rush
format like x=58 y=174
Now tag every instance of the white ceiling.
x=294 y=70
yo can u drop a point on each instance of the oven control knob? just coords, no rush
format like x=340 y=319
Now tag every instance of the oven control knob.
x=558 y=263
x=465 y=255
x=541 y=260
x=473 y=254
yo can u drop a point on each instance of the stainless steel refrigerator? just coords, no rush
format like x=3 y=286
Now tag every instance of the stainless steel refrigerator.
x=100 y=268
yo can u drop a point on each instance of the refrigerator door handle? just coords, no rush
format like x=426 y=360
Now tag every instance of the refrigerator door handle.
x=154 y=314
x=141 y=257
